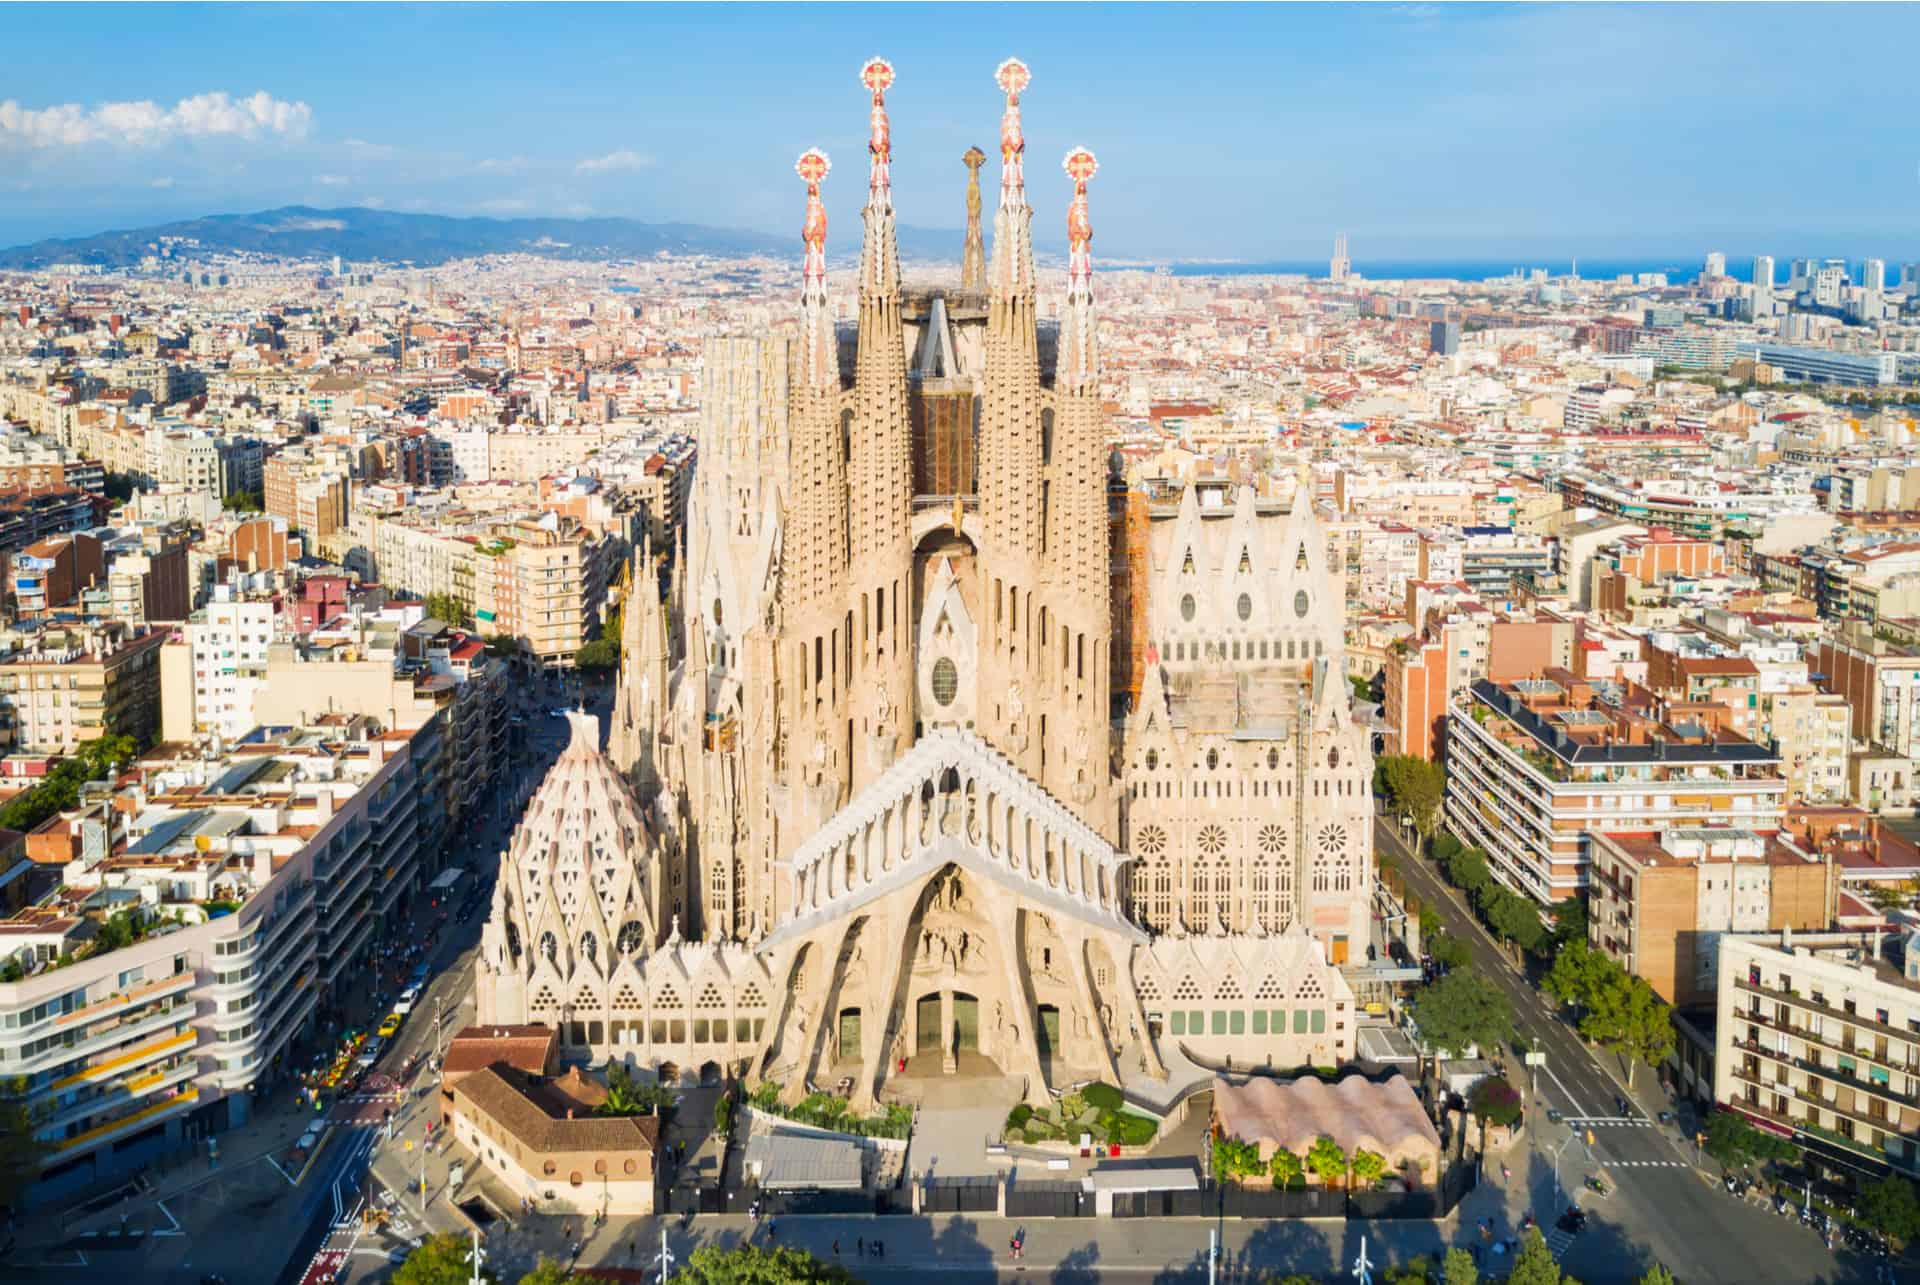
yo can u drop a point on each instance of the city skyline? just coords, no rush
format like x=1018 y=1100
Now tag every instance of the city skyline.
x=1403 y=126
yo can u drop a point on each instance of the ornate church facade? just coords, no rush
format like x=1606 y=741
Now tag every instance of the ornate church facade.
x=867 y=803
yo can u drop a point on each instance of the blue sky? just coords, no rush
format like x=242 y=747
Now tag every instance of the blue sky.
x=1235 y=132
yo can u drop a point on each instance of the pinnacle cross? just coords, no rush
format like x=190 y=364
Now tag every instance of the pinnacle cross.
x=1077 y=351
x=1080 y=166
x=877 y=76
x=1013 y=79
x=812 y=167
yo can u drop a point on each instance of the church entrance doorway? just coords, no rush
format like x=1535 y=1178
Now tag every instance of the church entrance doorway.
x=1047 y=1030
x=849 y=1032
x=928 y=1034
x=966 y=1023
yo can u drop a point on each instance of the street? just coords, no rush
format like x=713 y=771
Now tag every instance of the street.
x=1661 y=1206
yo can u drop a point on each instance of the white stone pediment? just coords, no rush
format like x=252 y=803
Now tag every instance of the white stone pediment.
x=952 y=800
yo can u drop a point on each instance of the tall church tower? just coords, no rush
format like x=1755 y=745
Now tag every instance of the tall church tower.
x=1014 y=428
x=878 y=621
x=1075 y=673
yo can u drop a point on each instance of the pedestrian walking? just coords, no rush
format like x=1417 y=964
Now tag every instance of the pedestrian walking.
x=879 y=1249
x=860 y=1247
x=836 y=1247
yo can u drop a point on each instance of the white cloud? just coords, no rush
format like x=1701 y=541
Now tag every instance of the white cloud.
x=162 y=182
x=501 y=165
x=331 y=180
x=146 y=123
x=507 y=205
x=624 y=159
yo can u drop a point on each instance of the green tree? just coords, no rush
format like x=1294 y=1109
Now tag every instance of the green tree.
x=1468 y=870
x=1459 y=1269
x=1235 y=1158
x=1889 y=1204
x=1534 y=1264
x=1460 y=1009
x=551 y=1271
x=1736 y=1143
x=1415 y=788
x=1514 y=919
x=1415 y=1271
x=1369 y=1167
x=20 y=1152
x=1444 y=846
x=1569 y=922
x=243 y=502
x=627 y=1096
x=753 y=1265
x=439 y=1260
x=1327 y=1160
x=1656 y=1275
x=1626 y=1017
x=599 y=657
x=1575 y=973
x=1449 y=951
x=1286 y=1169
x=448 y=609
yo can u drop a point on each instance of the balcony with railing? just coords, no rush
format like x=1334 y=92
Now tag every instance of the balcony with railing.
x=119 y=1001
x=79 y=1047
x=132 y=1086
x=1816 y=1002
x=173 y=1103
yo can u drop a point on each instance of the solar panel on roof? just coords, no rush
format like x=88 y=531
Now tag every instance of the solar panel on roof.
x=237 y=776
x=162 y=835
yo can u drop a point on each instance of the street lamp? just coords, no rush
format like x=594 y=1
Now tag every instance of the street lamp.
x=1572 y=1134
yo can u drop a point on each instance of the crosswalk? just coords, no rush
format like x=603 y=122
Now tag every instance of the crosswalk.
x=1558 y=1241
x=1643 y=1164
x=1609 y=1121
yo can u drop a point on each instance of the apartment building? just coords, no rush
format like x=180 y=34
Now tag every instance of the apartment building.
x=1537 y=766
x=48 y=575
x=1819 y=1040
x=1657 y=904
x=193 y=936
x=225 y=649
x=309 y=496
x=29 y=514
x=1811 y=732
x=1880 y=681
x=63 y=686
x=542 y=584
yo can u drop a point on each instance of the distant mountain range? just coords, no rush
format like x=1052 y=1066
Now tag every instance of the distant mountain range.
x=359 y=234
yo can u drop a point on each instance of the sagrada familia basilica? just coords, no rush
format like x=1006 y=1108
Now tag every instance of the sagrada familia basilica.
x=868 y=805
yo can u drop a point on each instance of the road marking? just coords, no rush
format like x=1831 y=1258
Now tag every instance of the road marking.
x=1564 y=1091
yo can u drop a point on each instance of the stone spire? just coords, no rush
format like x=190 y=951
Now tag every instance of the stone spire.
x=879 y=514
x=973 y=259
x=1012 y=461
x=879 y=248
x=1013 y=220
x=819 y=481
x=640 y=705
x=1076 y=513
x=1079 y=353
x=822 y=361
